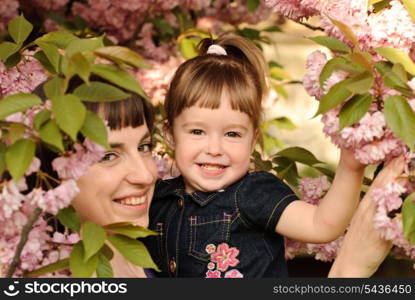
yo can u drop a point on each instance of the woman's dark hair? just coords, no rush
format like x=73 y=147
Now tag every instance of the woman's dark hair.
x=133 y=111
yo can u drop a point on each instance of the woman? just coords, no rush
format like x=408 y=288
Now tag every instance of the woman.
x=363 y=249
x=119 y=188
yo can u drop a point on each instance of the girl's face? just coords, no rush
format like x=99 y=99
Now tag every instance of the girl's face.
x=212 y=146
x=120 y=187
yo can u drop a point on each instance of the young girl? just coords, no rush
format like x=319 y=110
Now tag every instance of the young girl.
x=217 y=219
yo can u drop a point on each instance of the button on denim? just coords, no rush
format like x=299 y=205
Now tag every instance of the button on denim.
x=242 y=217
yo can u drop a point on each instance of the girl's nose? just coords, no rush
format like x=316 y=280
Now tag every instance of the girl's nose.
x=214 y=146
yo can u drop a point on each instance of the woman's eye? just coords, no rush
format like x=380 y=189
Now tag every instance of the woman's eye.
x=196 y=131
x=145 y=148
x=233 y=134
x=108 y=157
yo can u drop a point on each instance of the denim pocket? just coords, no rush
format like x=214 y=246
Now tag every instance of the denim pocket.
x=206 y=230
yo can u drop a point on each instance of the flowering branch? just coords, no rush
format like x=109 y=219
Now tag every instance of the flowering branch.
x=312 y=27
x=23 y=239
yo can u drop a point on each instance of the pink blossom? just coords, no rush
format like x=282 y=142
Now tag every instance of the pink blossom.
x=225 y=257
x=34 y=166
x=23 y=78
x=234 y=273
x=326 y=251
x=292 y=248
x=313 y=189
x=292 y=9
x=61 y=238
x=389 y=197
x=8 y=11
x=10 y=199
x=213 y=274
x=315 y=63
x=59 y=197
x=159 y=53
x=75 y=164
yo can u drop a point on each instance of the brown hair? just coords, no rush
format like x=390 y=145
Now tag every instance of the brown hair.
x=202 y=79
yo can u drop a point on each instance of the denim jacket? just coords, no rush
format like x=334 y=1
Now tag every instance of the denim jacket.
x=229 y=233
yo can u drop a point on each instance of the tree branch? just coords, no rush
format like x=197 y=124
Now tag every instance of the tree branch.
x=309 y=26
x=23 y=239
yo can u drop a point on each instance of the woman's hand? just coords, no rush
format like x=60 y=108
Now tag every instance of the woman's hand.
x=363 y=250
x=349 y=162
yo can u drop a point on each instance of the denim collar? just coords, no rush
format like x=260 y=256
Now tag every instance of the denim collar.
x=175 y=187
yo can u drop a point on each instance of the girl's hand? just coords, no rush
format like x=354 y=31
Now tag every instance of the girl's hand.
x=349 y=162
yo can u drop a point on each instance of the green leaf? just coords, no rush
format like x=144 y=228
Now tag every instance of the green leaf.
x=93 y=237
x=331 y=43
x=19 y=29
x=286 y=170
x=400 y=118
x=78 y=266
x=17 y=103
x=121 y=54
x=19 y=156
x=163 y=27
x=363 y=59
x=337 y=94
x=329 y=173
x=252 y=5
x=95 y=129
x=354 y=110
x=338 y=63
x=410 y=7
x=391 y=78
x=299 y=154
x=52 y=53
x=283 y=123
x=380 y=5
x=408 y=218
x=50 y=268
x=107 y=252
x=272 y=28
x=69 y=218
x=3 y=149
x=97 y=91
x=70 y=113
x=60 y=38
x=119 y=77
x=13 y=60
x=261 y=164
x=360 y=83
x=279 y=73
x=188 y=47
x=397 y=56
x=249 y=33
x=270 y=145
x=372 y=2
x=104 y=269
x=81 y=45
x=399 y=71
x=54 y=87
x=81 y=66
x=347 y=31
x=16 y=130
x=133 y=250
x=41 y=57
x=7 y=49
x=130 y=230
x=51 y=135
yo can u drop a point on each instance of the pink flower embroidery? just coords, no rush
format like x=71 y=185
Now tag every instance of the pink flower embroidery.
x=210 y=248
x=225 y=257
x=234 y=273
x=213 y=274
x=211 y=266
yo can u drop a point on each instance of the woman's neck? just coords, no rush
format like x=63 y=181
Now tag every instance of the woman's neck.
x=123 y=268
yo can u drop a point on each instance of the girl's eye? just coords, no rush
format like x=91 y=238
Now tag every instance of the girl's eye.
x=145 y=148
x=233 y=134
x=110 y=156
x=196 y=131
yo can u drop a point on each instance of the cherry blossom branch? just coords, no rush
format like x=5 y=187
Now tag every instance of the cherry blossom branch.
x=23 y=239
x=309 y=26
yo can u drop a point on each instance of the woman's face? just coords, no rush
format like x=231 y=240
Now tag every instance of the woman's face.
x=119 y=188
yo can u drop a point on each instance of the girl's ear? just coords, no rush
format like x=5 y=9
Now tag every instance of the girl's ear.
x=168 y=135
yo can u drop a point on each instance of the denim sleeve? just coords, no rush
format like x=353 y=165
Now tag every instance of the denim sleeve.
x=261 y=199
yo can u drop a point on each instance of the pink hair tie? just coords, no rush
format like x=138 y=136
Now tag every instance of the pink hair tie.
x=216 y=49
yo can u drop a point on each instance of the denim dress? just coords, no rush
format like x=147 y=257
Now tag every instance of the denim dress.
x=224 y=234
